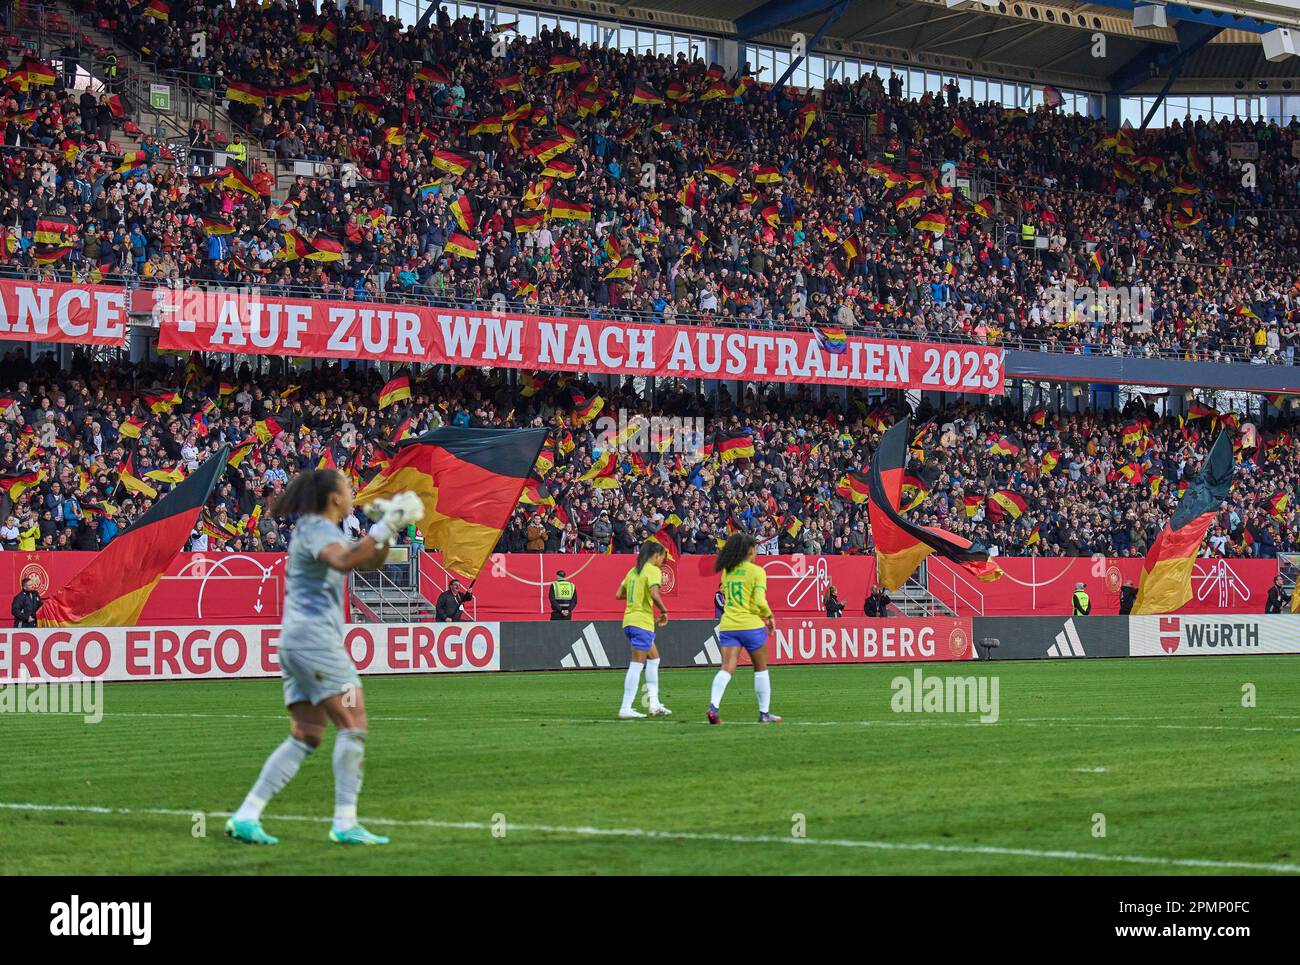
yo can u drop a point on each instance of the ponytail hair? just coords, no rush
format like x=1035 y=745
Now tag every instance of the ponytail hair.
x=734 y=552
x=647 y=551
x=307 y=492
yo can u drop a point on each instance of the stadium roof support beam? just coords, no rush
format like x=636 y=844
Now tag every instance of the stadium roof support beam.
x=836 y=12
x=1156 y=57
x=776 y=14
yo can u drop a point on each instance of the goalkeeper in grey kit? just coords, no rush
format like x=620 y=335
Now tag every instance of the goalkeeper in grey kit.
x=320 y=682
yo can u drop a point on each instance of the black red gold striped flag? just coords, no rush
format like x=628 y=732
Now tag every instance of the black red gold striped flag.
x=114 y=587
x=1167 y=571
x=469 y=480
x=901 y=545
x=730 y=447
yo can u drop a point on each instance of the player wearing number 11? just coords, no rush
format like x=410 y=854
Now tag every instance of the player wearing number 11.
x=746 y=620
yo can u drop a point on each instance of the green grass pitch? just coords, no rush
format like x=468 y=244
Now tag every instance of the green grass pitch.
x=1188 y=780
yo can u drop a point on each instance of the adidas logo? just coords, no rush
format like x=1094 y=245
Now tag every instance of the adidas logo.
x=587 y=651
x=710 y=654
x=1067 y=643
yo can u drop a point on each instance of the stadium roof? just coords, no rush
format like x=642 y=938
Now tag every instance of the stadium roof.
x=1214 y=47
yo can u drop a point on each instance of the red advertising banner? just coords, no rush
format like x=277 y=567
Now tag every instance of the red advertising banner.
x=245 y=323
x=1044 y=586
x=221 y=651
x=49 y=312
x=248 y=588
x=860 y=640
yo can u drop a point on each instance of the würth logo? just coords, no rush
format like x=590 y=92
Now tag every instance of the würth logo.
x=1067 y=643
x=1170 y=634
x=587 y=651
x=75 y=918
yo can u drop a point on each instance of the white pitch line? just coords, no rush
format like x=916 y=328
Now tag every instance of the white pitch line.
x=1132 y=723
x=714 y=837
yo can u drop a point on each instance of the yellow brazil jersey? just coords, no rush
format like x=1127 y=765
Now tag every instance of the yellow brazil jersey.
x=745 y=591
x=640 y=610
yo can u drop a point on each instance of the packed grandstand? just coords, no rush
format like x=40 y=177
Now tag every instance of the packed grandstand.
x=577 y=180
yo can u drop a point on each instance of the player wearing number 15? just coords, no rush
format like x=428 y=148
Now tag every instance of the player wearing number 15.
x=640 y=588
x=746 y=620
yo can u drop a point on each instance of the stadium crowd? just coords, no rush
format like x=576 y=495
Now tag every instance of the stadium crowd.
x=451 y=175
x=1078 y=483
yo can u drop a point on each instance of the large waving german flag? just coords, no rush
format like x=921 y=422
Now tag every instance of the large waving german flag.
x=901 y=545
x=470 y=481
x=1167 y=573
x=113 y=589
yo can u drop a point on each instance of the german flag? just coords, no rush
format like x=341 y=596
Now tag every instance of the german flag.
x=31 y=71
x=584 y=409
x=934 y=222
x=158 y=9
x=1007 y=501
x=395 y=391
x=902 y=545
x=530 y=383
x=667 y=538
x=732 y=447
x=324 y=248
x=215 y=226
x=238 y=453
x=647 y=95
x=173 y=475
x=1278 y=504
x=914 y=490
x=53 y=229
x=462 y=209
x=450 y=161
x=726 y=173
x=469 y=481
x=1167 y=572
x=237 y=90
x=114 y=588
x=911 y=200
x=570 y=210
x=853 y=486
x=560 y=64
x=15 y=484
x=509 y=82
x=237 y=180
x=266 y=429
x=959 y=129
x=49 y=254
x=461 y=245
x=602 y=472
x=329 y=32
x=560 y=168
x=163 y=403
x=298 y=92
x=621 y=270
x=1051 y=460
x=1038 y=416
x=130 y=428
x=1005 y=446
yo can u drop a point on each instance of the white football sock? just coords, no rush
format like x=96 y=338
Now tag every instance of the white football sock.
x=349 y=756
x=652 y=680
x=631 y=683
x=279 y=769
x=763 y=688
x=720 y=682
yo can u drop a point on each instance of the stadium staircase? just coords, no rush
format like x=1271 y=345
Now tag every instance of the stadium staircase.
x=389 y=595
x=47 y=28
x=913 y=598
